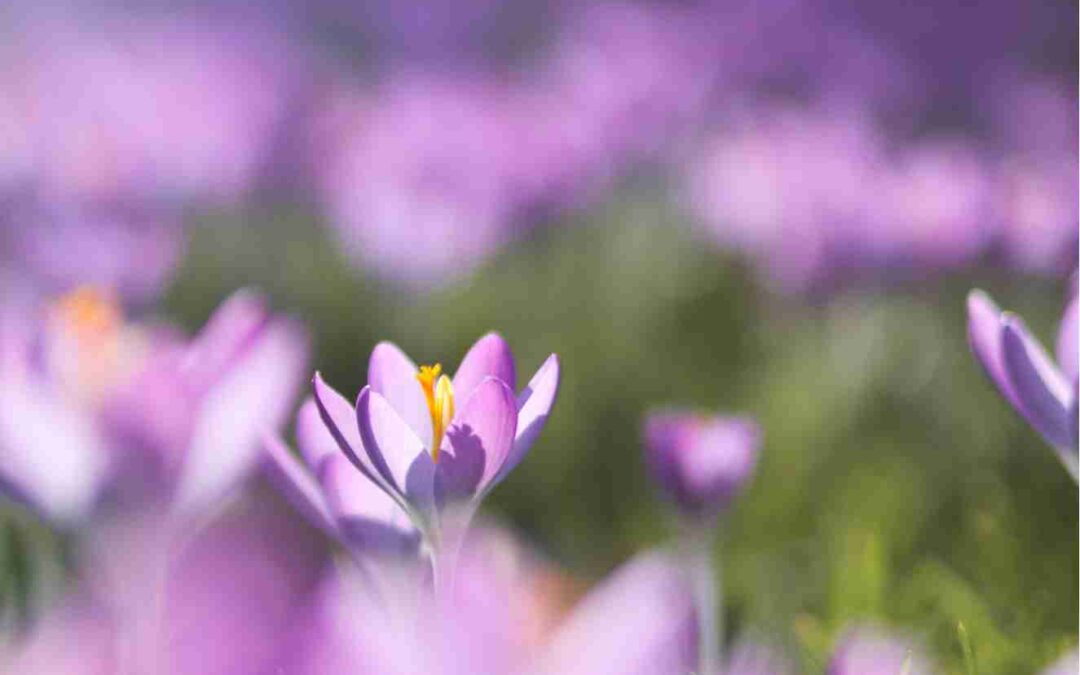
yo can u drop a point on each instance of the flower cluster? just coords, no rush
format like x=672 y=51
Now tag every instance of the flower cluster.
x=124 y=121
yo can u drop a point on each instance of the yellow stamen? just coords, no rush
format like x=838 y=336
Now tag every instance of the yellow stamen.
x=89 y=313
x=84 y=341
x=439 y=394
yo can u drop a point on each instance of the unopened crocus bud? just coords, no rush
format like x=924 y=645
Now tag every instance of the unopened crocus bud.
x=701 y=462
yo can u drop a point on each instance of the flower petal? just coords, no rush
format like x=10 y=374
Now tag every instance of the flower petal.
x=984 y=335
x=52 y=456
x=298 y=486
x=368 y=519
x=478 y=442
x=1040 y=388
x=233 y=325
x=489 y=357
x=1071 y=454
x=660 y=640
x=1067 y=341
x=254 y=396
x=393 y=374
x=393 y=448
x=534 y=405
x=313 y=437
x=340 y=420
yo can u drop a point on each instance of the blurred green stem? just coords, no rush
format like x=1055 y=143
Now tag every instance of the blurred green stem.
x=704 y=568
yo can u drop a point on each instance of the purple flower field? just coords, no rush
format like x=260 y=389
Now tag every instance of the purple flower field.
x=627 y=337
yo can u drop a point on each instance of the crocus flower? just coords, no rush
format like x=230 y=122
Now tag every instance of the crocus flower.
x=333 y=495
x=700 y=462
x=867 y=651
x=432 y=442
x=1043 y=392
x=89 y=401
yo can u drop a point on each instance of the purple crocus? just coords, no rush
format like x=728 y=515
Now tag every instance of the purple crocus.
x=94 y=406
x=700 y=462
x=1043 y=392
x=432 y=442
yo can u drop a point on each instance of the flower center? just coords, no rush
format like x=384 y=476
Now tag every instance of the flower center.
x=83 y=346
x=439 y=394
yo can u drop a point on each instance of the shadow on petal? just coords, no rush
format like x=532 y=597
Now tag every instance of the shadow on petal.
x=370 y=536
x=461 y=465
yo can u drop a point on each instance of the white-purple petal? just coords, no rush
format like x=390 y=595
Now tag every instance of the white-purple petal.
x=490 y=356
x=52 y=455
x=1039 y=386
x=534 y=404
x=984 y=336
x=367 y=519
x=1067 y=342
x=254 y=396
x=340 y=420
x=393 y=374
x=229 y=330
x=314 y=439
x=639 y=621
x=394 y=449
x=298 y=486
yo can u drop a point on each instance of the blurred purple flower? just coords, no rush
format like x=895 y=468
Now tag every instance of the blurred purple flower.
x=636 y=76
x=1045 y=394
x=931 y=208
x=416 y=203
x=788 y=188
x=130 y=247
x=412 y=437
x=607 y=632
x=1036 y=121
x=150 y=105
x=223 y=601
x=90 y=401
x=488 y=625
x=867 y=651
x=701 y=463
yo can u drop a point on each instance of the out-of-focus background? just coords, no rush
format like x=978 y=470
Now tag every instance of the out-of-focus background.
x=774 y=208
